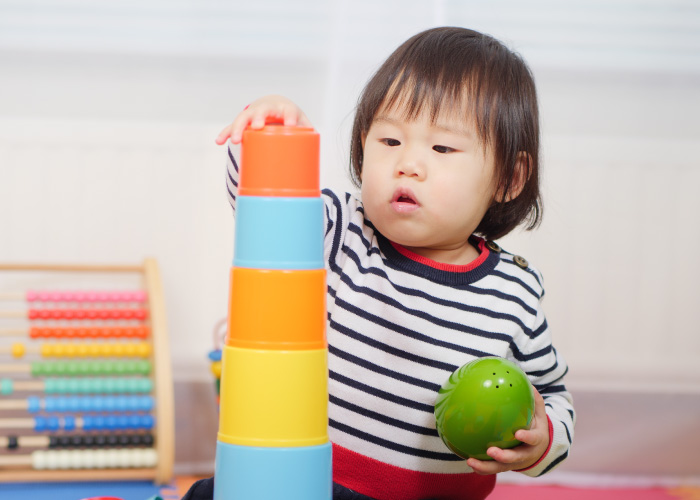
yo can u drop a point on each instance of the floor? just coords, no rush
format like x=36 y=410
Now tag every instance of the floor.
x=547 y=492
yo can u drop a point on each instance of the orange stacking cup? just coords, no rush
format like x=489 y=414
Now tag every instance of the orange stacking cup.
x=280 y=161
x=277 y=309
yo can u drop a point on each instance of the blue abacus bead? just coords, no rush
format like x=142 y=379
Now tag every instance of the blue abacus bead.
x=53 y=423
x=88 y=423
x=39 y=424
x=134 y=422
x=69 y=423
x=99 y=422
x=279 y=233
x=50 y=403
x=98 y=403
x=215 y=355
x=78 y=404
x=110 y=403
x=147 y=421
x=111 y=422
x=33 y=404
x=62 y=404
x=146 y=403
x=6 y=386
x=123 y=422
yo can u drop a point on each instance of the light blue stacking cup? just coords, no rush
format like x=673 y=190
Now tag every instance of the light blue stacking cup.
x=279 y=233
x=257 y=473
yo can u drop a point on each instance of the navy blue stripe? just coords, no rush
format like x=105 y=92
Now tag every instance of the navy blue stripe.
x=417 y=293
x=529 y=357
x=407 y=332
x=338 y=229
x=385 y=299
x=550 y=389
x=232 y=197
x=554 y=463
x=393 y=350
x=387 y=396
x=514 y=279
x=568 y=435
x=384 y=443
x=379 y=417
x=382 y=370
x=233 y=160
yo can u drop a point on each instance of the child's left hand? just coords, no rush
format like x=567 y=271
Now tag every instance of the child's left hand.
x=534 y=444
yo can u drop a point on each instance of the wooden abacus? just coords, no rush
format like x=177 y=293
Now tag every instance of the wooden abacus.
x=85 y=380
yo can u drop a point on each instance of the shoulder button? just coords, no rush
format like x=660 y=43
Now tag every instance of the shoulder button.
x=492 y=245
x=520 y=261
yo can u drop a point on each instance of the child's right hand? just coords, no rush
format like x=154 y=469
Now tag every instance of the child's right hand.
x=257 y=113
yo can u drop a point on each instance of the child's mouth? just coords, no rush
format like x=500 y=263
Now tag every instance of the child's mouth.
x=404 y=201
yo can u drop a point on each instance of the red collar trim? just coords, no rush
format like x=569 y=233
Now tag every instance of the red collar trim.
x=454 y=268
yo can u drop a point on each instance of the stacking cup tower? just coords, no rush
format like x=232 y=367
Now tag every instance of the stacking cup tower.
x=273 y=422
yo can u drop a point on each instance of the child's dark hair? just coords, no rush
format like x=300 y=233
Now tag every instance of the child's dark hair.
x=457 y=67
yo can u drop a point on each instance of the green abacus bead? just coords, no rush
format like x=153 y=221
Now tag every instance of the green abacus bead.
x=6 y=386
x=144 y=367
x=97 y=368
x=37 y=369
x=72 y=368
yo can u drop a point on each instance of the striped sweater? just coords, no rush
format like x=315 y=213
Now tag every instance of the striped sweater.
x=398 y=326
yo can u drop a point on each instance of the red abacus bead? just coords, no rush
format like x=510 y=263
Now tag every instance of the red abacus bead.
x=140 y=314
x=102 y=314
x=80 y=314
x=91 y=314
x=67 y=314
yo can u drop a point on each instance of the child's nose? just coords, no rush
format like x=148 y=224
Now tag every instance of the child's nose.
x=411 y=165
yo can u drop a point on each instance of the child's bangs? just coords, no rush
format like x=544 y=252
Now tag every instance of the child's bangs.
x=450 y=93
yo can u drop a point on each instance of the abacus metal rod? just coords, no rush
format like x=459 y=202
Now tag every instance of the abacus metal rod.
x=80 y=332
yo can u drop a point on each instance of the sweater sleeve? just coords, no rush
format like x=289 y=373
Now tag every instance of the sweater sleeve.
x=232 y=177
x=546 y=369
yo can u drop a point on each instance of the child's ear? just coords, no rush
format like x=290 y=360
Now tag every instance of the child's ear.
x=521 y=174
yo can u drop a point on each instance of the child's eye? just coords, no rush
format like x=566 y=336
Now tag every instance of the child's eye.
x=390 y=142
x=443 y=149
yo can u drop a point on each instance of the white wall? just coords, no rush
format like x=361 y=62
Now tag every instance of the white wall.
x=108 y=116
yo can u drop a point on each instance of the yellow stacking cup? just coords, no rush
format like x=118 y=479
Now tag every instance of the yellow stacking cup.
x=274 y=398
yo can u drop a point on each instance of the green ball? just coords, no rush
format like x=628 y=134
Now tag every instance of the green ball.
x=483 y=404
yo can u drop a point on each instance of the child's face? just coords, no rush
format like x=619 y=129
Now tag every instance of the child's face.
x=426 y=186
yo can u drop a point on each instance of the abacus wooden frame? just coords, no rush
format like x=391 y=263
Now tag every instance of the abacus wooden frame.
x=162 y=387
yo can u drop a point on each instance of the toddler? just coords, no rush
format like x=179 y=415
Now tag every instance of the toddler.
x=445 y=151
